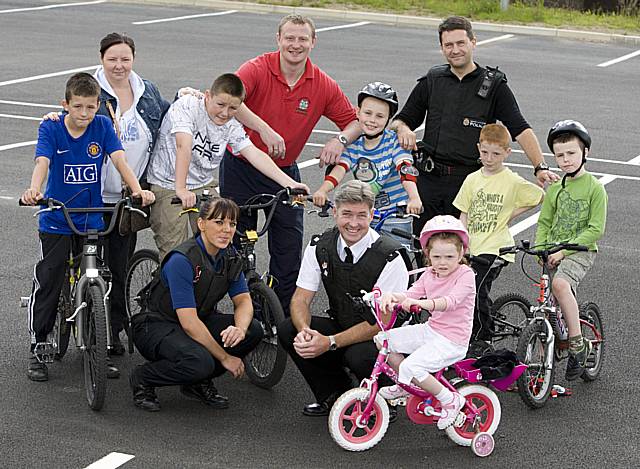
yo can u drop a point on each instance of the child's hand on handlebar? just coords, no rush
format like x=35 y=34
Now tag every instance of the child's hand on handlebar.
x=409 y=302
x=414 y=206
x=147 y=197
x=320 y=198
x=556 y=258
x=389 y=300
x=31 y=196
x=187 y=197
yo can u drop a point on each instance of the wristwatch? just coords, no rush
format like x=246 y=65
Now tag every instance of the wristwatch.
x=332 y=343
x=541 y=167
x=342 y=139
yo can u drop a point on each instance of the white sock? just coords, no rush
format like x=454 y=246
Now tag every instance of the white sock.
x=445 y=396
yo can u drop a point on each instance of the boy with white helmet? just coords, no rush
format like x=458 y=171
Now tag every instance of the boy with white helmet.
x=447 y=290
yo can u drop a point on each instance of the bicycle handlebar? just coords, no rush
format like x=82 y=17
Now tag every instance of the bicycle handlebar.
x=524 y=246
x=53 y=204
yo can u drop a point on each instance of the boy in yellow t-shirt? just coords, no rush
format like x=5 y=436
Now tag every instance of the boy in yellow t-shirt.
x=488 y=200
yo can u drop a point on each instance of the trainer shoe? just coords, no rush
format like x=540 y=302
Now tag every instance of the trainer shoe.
x=144 y=397
x=577 y=361
x=37 y=371
x=392 y=392
x=450 y=411
x=113 y=372
x=207 y=393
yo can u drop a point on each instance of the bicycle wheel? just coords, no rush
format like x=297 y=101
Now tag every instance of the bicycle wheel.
x=590 y=314
x=265 y=364
x=534 y=385
x=345 y=426
x=142 y=265
x=511 y=313
x=94 y=355
x=61 y=328
x=490 y=413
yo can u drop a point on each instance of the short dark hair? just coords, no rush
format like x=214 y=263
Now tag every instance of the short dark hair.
x=230 y=84
x=454 y=23
x=568 y=137
x=81 y=84
x=219 y=207
x=299 y=20
x=112 y=39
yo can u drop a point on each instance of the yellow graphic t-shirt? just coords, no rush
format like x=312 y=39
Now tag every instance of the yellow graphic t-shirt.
x=489 y=202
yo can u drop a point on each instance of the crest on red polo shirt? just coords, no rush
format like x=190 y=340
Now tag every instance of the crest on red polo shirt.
x=303 y=105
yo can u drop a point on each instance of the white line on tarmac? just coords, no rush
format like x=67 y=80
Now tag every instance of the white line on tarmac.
x=619 y=59
x=14 y=116
x=188 y=17
x=11 y=146
x=48 y=75
x=46 y=7
x=494 y=39
x=22 y=103
x=111 y=461
x=343 y=26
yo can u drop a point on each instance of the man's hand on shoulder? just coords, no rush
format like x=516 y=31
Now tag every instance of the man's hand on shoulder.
x=331 y=152
x=546 y=176
x=310 y=343
x=406 y=137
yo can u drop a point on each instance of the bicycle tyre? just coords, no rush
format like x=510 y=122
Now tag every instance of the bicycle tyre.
x=94 y=355
x=490 y=410
x=511 y=313
x=265 y=364
x=62 y=328
x=535 y=384
x=590 y=313
x=142 y=265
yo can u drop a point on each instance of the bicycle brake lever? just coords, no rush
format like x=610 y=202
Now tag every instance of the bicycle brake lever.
x=137 y=210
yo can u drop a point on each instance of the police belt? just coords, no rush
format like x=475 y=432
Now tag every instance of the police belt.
x=438 y=169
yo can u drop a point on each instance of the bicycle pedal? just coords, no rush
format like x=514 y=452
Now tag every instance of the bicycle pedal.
x=400 y=401
x=460 y=420
x=560 y=391
x=24 y=301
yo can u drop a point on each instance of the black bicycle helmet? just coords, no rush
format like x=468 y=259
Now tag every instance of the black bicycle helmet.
x=568 y=127
x=382 y=91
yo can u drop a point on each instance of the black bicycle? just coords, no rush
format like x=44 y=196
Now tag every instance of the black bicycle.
x=83 y=305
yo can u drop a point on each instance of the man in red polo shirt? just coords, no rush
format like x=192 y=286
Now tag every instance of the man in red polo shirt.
x=286 y=96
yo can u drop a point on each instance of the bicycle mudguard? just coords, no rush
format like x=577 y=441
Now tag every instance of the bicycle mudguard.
x=502 y=384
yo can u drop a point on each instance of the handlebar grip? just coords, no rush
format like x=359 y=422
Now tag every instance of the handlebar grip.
x=43 y=202
x=401 y=233
x=415 y=309
x=507 y=250
x=297 y=192
x=176 y=201
x=575 y=247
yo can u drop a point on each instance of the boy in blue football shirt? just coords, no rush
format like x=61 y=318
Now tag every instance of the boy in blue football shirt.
x=71 y=151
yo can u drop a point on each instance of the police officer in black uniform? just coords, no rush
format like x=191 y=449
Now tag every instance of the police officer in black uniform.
x=346 y=259
x=186 y=340
x=459 y=98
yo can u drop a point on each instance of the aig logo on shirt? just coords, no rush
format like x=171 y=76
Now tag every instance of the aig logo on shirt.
x=80 y=173
x=94 y=150
x=303 y=105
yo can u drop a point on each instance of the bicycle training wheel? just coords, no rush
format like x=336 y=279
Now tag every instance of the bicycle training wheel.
x=511 y=313
x=535 y=384
x=345 y=426
x=489 y=414
x=142 y=265
x=61 y=328
x=590 y=314
x=265 y=364
x=94 y=355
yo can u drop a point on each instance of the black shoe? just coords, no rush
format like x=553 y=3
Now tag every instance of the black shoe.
x=144 y=397
x=112 y=370
x=206 y=392
x=577 y=361
x=37 y=371
x=393 y=413
x=478 y=348
x=320 y=409
x=117 y=348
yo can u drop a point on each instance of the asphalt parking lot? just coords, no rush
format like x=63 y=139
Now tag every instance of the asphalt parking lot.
x=50 y=424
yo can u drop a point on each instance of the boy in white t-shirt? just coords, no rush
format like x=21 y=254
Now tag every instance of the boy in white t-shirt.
x=488 y=200
x=193 y=137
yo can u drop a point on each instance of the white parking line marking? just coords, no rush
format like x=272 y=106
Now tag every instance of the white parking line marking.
x=343 y=26
x=11 y=146
x=111 y=461
x=14 y=116
x=494 y=39
x=48 y=75
x=619 y=59
x=188 y=17
x=46 y=7
x=22 y=103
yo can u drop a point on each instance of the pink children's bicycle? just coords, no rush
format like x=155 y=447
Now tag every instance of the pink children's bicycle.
x=360 y=417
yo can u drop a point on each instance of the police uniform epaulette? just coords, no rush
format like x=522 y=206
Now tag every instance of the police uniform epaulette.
x=436 y=70
x=392 y=255
x=314 y=239
x=500 y=75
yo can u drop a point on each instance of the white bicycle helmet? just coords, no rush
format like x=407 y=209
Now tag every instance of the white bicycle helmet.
x=444 y=224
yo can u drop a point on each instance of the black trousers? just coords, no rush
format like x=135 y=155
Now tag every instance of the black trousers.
x=437 y=194
x=325 y=374
x=483 y=326
x=175 y=358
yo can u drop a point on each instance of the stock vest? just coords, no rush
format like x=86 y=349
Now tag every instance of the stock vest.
x=341 y=279
x=456 y=112
x=209 y=286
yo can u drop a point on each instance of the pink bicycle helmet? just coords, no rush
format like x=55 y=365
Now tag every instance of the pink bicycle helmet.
x=444 y=224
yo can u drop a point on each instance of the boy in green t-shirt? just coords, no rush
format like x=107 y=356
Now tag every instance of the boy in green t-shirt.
x=574 y=211
x=488 y=200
